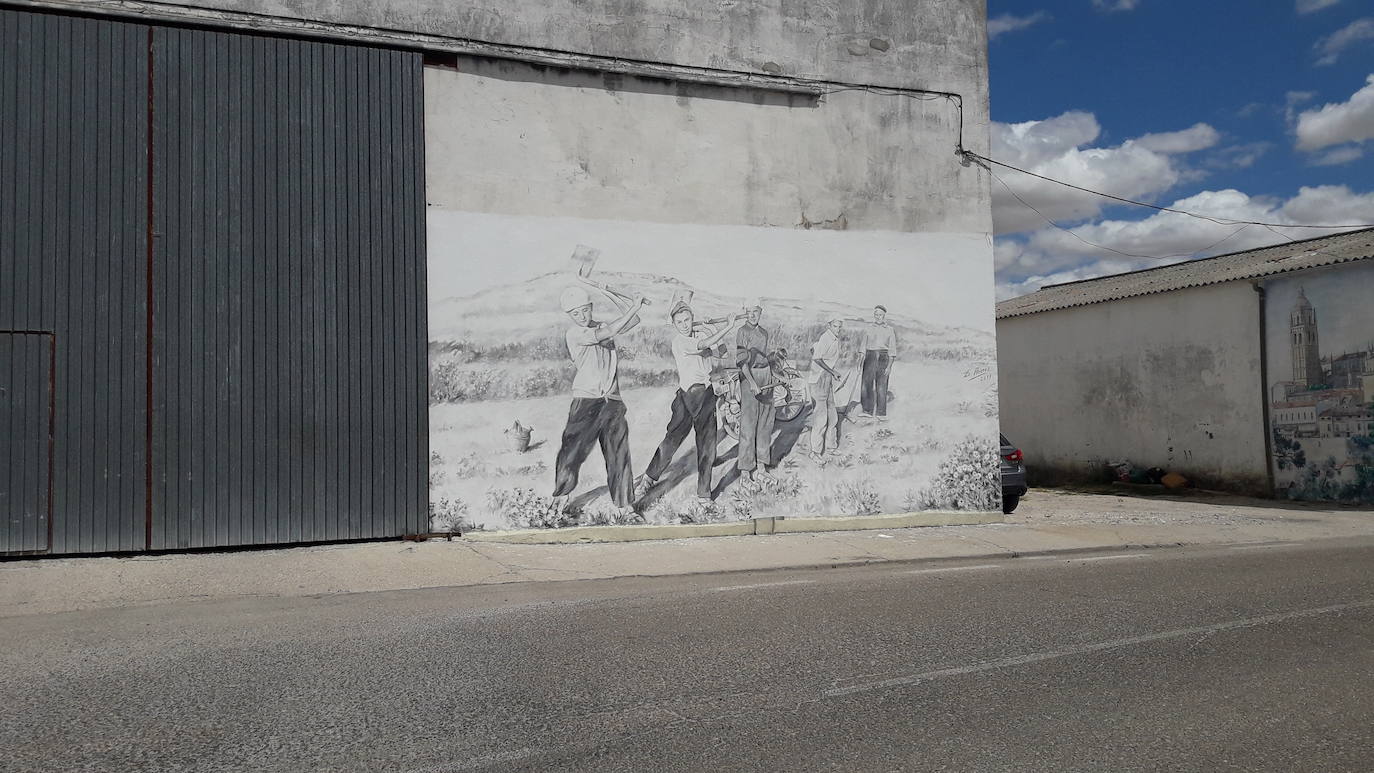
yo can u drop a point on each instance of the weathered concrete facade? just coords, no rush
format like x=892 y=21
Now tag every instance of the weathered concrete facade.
x=521 y=139
x=1168 y=380
x=1252 y=371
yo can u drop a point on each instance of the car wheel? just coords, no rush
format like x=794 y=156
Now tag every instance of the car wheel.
x=1009 y=502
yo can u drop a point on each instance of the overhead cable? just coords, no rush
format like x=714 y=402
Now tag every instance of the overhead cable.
x=1218 y=220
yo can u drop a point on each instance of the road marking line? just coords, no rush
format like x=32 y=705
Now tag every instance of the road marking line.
x=1021 y=660
x=764 y=585
x=953 y=569
x=1107 y=558
x=1265 y=546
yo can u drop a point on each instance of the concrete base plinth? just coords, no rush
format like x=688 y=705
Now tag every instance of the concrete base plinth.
x=768 y=525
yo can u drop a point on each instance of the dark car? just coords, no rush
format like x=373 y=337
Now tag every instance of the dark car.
x=1013 y=476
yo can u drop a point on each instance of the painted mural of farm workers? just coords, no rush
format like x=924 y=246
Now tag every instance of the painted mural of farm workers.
x=756 y=398
x=825 y=357
x=879 y=345
x=694 y=403
x=597 y=412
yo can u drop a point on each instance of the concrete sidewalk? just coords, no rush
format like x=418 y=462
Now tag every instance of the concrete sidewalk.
x=1046 y=522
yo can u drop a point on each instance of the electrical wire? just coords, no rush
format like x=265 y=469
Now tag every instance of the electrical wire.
x=1091 y=243
x=1218 y=221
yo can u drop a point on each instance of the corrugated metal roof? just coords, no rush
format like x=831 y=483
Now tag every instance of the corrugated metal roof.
x=1236 y=266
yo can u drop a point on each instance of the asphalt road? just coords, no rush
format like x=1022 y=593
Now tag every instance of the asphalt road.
x=1249 y=658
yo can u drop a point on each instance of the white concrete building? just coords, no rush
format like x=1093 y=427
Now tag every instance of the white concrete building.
x=1212 y=368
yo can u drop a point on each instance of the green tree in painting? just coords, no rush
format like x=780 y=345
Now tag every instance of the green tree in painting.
x=1360 y=451
x=1288 y=452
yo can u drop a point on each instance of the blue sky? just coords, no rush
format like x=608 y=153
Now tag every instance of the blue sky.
x=1244 y=109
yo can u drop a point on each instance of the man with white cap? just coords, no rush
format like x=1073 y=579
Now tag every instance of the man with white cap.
x=694 y=403
x=755 y=363
x=597 y=413
x=825 y=356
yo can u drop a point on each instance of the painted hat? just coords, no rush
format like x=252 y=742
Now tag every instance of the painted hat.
x=573 y=298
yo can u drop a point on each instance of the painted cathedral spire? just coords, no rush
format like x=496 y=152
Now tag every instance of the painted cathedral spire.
x=1302 y=328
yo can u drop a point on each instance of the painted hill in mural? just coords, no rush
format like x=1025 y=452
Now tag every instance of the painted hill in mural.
x=507 y=342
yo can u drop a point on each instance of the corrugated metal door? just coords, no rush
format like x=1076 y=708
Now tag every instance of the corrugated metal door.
x=73 y=255
x=289 y=391
x=26 y=420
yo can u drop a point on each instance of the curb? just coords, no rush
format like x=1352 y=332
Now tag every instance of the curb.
x=753 y=526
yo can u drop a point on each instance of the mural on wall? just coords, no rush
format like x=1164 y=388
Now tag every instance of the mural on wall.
x=1321 y=368
x=608 y=372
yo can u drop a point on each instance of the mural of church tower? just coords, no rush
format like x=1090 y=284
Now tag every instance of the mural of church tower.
x=1302 y=324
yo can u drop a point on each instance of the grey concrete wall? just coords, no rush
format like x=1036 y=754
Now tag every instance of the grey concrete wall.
x=1169 y=380
x=506 y=137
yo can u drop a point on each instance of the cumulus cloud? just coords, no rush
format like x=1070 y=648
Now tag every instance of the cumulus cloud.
x=1312 y=6
x=1048 y=256
x=1338 y=123
x=1340 y=155
x=1061 y=148
x=1194 y=138
x=1241 y=156
x=1000 y=25
x=1116 y=5
x=1329 y=48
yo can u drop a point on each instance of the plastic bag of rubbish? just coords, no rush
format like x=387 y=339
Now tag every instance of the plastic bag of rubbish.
x=1174 y=480
x=1121 y=470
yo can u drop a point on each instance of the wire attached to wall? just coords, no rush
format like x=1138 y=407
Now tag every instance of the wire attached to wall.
x=1219 y=221
x=1094 y=244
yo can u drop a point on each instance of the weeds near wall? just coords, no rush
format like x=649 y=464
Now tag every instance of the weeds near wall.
x=858 y=497
x=448 y=516
x=522 y=508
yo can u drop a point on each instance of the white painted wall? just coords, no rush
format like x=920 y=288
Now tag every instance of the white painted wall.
x=1169 y=380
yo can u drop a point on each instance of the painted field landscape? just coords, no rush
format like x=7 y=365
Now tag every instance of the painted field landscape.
x=497 y=357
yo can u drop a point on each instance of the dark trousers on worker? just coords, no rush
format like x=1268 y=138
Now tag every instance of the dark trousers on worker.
x=693 y=410
x=755 y=429
x=596 y=420
x=874 y=394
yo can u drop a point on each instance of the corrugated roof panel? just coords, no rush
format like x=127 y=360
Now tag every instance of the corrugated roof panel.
x=1236 y=266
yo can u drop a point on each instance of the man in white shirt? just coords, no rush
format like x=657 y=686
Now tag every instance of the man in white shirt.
x=597 y=413
x=694 y=403
x=825 y=357
x=879 y=346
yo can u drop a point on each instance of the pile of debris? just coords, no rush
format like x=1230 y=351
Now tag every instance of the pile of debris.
x=1125 y=472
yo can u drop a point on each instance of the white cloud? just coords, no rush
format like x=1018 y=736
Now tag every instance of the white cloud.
x=1194 y=138
x=1312 y=6
x=1330 y=47
x=1116 y=5
x=1049 y=256
x=1241 y=156
x=1343 y=154
x=999 y=25
x=1339 y=122
x=1060 y=148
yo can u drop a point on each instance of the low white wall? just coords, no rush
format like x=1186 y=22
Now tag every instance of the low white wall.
x=1169 y=380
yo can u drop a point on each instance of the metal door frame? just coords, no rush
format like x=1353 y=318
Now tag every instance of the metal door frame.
x=52 y=430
